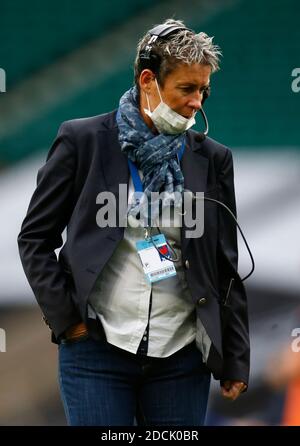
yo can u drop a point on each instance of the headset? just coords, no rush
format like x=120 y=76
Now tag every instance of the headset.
x=148 y=58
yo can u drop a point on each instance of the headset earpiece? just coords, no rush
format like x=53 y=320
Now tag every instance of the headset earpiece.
x=206 y=94
x=149 y=59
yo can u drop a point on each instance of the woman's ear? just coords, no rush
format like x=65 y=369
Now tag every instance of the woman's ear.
x=146 y=80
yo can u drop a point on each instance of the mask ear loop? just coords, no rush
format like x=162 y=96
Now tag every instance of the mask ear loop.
x=158 y=90
x=148 y=103
x=147 y=96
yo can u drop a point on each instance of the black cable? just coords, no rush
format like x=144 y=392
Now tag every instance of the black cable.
x=240 y=229
x=236 y=222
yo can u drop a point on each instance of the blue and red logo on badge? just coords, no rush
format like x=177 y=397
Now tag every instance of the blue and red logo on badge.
x=163 y=251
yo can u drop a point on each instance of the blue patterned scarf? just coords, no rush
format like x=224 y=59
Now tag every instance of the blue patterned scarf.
x=154 y=155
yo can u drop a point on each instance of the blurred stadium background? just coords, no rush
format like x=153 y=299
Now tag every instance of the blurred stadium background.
x=66 y=60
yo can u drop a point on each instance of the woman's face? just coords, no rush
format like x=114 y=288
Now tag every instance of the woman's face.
x=182 y=90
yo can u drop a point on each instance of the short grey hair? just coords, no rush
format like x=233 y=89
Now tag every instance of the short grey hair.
x=182 y=47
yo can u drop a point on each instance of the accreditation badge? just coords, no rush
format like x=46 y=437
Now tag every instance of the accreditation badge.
x=155 y=265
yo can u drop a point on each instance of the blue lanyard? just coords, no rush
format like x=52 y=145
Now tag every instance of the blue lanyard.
x=138 y=186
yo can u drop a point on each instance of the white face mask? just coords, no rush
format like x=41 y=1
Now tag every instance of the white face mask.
x=167 y=120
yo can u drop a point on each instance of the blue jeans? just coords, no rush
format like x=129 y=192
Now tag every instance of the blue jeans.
x=103 y=385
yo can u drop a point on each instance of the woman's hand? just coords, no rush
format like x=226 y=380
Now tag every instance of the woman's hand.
x=233 y=389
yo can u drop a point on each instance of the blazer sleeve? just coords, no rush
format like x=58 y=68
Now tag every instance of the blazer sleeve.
x=234 y=312
x=48 y=213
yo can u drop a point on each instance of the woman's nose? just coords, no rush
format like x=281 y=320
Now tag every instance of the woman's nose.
x=196 y=101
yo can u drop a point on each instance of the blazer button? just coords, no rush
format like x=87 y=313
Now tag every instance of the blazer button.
x=187 y=264
x=201 y=301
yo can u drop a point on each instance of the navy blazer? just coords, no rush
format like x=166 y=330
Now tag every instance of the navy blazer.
x=86 y=159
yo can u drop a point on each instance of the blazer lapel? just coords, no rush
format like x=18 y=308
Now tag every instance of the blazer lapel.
x=194 y=168
x=115 y=166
